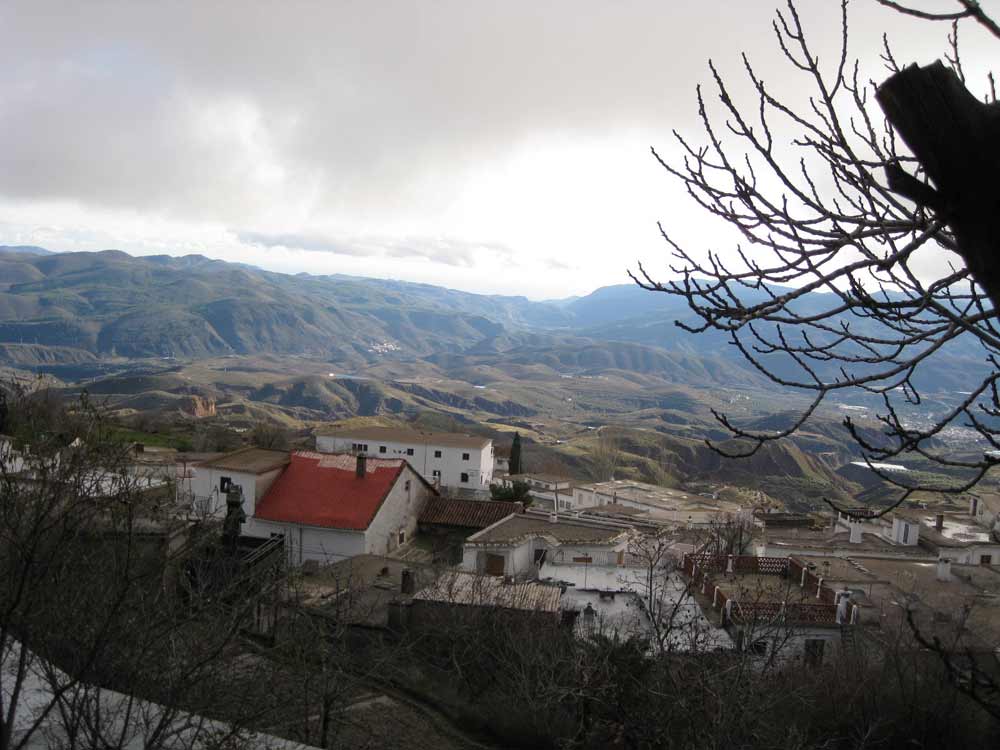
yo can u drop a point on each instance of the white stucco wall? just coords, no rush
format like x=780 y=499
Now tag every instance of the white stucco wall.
x=399 y=512
x=972 y=555
x=10 y=458
x=205 y=484
x=310 y=542
x=520 y=558
x=450 y=464
x=206 y=481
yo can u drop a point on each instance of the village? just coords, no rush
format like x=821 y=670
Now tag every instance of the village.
x=416 y=507
x=389 y=533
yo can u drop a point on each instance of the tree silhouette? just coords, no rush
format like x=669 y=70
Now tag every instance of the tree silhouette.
x=514 y=466
x=842 y=207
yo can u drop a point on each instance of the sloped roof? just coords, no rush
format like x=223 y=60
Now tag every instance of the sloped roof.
x=561 y=530
x=249 y=460
x=469 y=514
x=318 y=489
x=456 y=587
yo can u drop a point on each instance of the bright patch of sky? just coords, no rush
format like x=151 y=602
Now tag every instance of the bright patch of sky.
x=493 y=147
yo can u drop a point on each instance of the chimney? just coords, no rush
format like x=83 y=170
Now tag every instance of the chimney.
x=406 y=582
x=359 y=471
x=939 y=522
x=944 y=569
x=855 y=527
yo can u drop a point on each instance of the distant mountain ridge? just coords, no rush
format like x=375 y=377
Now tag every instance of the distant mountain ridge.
x=109 y=304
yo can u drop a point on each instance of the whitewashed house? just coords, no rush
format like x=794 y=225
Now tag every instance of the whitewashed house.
x=442 y=458
x=11 y=459
x=655 y=503
x=334 y=506
x=203 y=486
x=520 y=544
x=985 y=508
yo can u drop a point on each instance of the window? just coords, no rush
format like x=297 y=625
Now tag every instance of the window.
x=409 y=451
x=437 y=454
x=906 y=533
x=758 y=647
x=401 y=538
x=406 y=485
x=224 y=484
x=381 y=449
x=986 y=560
x=465 y=477
x=436 y=474
x=465 y=456
x=359 y=447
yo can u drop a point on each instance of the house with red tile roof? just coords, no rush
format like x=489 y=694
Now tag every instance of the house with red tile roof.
x=331 y=506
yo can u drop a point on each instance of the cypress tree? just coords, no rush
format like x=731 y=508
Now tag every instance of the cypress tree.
x=515 y=455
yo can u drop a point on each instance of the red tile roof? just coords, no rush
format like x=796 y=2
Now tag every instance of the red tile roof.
x=319 y=489
x=470 y=514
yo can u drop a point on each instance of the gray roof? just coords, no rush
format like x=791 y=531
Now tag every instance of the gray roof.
x=529 y=524
x=249 y=461
x=455 y=587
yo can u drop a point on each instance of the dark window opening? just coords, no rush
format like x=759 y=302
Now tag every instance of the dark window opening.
x=409 y=451
x=465 y=456
x=437 y=454
x=224 y=484
x=465 y=477
x=381 y=449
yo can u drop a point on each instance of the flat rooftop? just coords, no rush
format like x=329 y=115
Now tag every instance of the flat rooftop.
x=834 y=538
x=959 y=529
x=358 y=590
x=655 y=496
x=402 y=435
x=249 y=460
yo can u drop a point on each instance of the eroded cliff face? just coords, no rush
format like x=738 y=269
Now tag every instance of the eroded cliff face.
x=198 y=406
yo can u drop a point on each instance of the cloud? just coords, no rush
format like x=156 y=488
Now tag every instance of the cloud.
x=450 y=252
x=450 y=134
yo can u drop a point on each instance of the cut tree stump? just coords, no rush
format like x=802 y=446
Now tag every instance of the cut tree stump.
x=956 y=139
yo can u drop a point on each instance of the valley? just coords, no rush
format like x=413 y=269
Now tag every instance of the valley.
x=174 y=347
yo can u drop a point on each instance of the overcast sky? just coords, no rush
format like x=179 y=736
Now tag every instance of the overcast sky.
x=493 y=147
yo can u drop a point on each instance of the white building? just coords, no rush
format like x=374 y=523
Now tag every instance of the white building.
x=655 y=503
x=553 y=491
x=521 y=543
x=203 y=486
x=333 y=506
x=442 y=458
x=11 y=459
x=985 y=508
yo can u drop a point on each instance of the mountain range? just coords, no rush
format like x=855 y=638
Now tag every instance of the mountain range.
x=88 y=307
